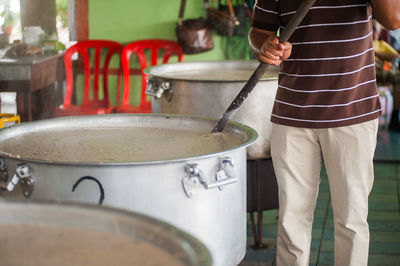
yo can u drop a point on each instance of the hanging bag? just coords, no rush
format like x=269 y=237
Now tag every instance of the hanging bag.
x=223 y=21
x=243 y=14
x=194 y=35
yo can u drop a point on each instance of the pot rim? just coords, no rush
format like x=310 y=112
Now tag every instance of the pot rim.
x=253 y=135
x=18 y=211
x=163 y=71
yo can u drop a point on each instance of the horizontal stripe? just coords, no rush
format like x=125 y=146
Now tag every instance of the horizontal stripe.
x=328 y=105
x=327 y=74
x=332 y=24
x=335 y=41
x=325 y=7
x=330 y=58
x=327 y=121
x=266 y=10
x=330 y=90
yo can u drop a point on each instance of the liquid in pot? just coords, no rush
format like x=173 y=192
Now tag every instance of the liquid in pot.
x=117 y=144
x=41 y=245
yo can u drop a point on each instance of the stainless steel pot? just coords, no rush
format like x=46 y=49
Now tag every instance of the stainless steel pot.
x=208 y=88
x=201 y=193
x=69 y=234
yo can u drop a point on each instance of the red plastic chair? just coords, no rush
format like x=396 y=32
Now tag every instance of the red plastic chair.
x=140 y=47
x=89 y=105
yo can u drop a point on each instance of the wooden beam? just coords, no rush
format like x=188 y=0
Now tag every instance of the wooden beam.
x=82 y=19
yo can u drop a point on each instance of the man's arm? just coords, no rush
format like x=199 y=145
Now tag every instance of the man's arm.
x=387 y=12
x=266 y=47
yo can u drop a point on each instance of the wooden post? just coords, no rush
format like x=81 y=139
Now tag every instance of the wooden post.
x=82 y=19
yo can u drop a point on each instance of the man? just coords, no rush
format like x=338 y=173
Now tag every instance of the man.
x=326 y=109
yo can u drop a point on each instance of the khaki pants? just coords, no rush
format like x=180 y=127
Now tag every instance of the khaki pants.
x=297 y=155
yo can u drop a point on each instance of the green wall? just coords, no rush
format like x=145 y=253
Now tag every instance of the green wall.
x=129 y=20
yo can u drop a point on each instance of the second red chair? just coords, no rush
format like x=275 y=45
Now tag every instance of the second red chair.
x=95 y=104
x=156 y=47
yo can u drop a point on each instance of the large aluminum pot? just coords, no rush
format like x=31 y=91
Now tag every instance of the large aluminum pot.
x=48 y=234
x=208 y=88
x=158 y=165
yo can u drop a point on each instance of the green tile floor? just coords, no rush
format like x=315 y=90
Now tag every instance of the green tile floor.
x=384 y=215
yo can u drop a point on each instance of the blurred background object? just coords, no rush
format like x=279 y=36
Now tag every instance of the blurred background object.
x=9 y=20
x=8 y=102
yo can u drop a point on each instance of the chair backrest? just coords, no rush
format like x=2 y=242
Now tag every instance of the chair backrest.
x=156 y=47
x=85 y=51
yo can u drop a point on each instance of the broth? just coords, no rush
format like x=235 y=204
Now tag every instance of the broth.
x=40 y=245
x=117 y=145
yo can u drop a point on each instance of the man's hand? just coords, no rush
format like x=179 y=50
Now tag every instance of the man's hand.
x=266 y=47
x=272 y=52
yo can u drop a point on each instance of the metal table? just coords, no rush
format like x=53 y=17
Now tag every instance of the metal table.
x=38 y=82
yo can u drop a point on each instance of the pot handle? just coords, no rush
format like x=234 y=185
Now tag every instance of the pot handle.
x=22 y=176
x=156 y=87
x=223 y=176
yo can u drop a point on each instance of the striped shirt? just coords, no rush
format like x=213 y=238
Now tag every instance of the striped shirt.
x=329 y=79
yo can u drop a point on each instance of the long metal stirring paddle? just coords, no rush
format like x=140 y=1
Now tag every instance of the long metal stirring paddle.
x=262 y=67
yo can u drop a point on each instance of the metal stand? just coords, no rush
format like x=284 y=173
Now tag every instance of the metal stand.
x=262 y=194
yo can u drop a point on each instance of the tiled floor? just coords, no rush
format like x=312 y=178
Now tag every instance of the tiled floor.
x=384 y=215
